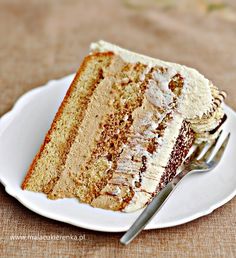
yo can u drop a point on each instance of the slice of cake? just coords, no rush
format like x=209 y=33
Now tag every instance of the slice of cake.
x=123 y=129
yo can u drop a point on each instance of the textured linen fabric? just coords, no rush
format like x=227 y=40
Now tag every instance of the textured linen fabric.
x=43 y=40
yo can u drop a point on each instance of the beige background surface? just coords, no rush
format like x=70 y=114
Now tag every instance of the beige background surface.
x=43 y=40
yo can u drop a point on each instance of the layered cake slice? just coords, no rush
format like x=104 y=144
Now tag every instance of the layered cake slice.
x=123 y=129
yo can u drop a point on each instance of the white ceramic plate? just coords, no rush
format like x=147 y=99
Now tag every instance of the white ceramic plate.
x=22 y=131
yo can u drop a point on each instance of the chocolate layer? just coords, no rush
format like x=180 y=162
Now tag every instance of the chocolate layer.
x=182 y=146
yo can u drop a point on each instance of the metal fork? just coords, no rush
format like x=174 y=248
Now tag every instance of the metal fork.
x=195 y=164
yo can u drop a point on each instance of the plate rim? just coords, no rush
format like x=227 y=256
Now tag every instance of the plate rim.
x=6 y=119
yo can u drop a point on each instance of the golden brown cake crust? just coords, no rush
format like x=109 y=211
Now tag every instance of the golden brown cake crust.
x=59 y=112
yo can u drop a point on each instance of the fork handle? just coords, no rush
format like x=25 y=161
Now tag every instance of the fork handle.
x=154 y=206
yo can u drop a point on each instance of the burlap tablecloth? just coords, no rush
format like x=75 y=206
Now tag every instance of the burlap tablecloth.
x=43 y=40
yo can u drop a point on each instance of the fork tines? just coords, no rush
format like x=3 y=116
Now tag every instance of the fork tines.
x=205 y=151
